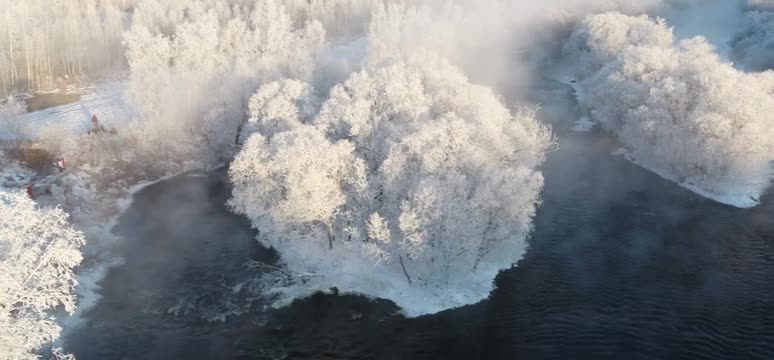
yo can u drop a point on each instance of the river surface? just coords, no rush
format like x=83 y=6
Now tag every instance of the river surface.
x=173 y=298
x=621 y=265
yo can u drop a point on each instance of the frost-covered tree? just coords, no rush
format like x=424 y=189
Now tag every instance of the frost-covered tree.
x=42 y=40
x=195 y=63
x=280 y=106
x=296 y=182
x=408 y=171
x=38 y=251
x=679 y=109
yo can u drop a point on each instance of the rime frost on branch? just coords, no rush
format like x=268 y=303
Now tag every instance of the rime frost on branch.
x=409 y=184
x=38 y=251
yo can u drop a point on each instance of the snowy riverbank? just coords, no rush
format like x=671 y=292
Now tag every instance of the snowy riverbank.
x=105 y=100
x=680 y=109
x=99 y=250
x=736 y=195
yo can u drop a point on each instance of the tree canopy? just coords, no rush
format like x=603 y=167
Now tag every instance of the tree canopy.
x=38 y=252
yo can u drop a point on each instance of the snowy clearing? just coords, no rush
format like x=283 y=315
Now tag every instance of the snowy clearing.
x=105 y=100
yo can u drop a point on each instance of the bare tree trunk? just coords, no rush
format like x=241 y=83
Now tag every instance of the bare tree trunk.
x=400 y=258
x=329 y=231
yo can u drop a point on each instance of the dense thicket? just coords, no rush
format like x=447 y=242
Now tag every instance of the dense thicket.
x=406 y=182
x=41 y=40
x=679 y=109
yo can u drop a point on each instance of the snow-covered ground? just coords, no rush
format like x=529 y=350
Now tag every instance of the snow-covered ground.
x=105 y=100
x=741 y=197
x=13 y=174
x=98 y=251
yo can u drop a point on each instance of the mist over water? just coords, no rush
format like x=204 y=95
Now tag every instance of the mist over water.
x=174 y=289
x=621 y=263
x=617 y=262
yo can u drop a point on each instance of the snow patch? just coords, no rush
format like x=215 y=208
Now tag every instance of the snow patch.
x=103 y=100
x=740 y=198
x=584 y=124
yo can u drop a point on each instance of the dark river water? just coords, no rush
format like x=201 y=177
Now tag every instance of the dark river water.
x=621 y=265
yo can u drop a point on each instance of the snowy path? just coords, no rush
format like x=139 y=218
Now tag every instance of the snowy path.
x=104 y=100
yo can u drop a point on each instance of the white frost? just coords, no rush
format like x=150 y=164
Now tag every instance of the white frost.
x=680 y=110
x=410 y=184
x=38 y=251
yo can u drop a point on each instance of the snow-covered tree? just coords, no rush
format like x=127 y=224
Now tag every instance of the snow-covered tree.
x=678 y=108
x=280 y=106
x=38 y=251
x=195 y=63
x=408 y=170
x=295 y=182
